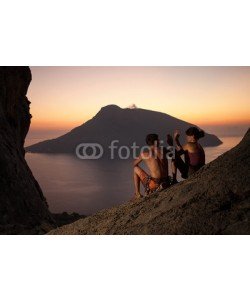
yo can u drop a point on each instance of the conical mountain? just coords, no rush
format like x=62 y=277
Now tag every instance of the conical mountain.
x=125 y=125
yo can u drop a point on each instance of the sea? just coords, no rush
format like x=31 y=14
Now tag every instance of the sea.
x=86 y=187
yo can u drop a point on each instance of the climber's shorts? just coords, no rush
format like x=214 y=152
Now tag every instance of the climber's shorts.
x=152 y=184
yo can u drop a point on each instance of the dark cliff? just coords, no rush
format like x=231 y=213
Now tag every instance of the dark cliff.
x=215 y=200
x=23 y=208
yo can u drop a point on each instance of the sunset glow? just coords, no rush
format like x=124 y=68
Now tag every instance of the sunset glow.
x=65 y=97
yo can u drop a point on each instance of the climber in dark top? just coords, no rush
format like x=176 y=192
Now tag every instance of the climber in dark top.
x=193 y=152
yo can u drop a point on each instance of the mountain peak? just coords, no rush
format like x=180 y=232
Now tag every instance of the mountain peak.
x=111 y=107
x=124 y=124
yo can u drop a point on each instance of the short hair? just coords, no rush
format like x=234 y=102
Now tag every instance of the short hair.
x=196 y=132
x=151 y=139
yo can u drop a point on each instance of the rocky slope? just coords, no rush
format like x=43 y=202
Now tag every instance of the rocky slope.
x=124 y=125
x=216 y=200
x=23 y=208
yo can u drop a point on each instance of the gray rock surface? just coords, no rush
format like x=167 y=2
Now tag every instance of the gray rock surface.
x=23 y=208
x=215 y=200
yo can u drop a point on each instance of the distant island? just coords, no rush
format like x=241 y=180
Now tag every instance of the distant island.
x=114 y=123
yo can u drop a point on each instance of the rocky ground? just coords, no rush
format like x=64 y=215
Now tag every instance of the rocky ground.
x=216 y=200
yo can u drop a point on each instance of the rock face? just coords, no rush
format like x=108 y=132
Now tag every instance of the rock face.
x=23 y=208
x=114 y=123
x=215 y=200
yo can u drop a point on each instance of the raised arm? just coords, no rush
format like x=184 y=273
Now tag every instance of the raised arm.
x=180 y=148
x=177 y=141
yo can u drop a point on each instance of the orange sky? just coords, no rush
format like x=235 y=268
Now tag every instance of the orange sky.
x=65 y=97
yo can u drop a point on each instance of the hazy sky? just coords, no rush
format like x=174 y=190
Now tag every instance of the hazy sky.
x=64 y=97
